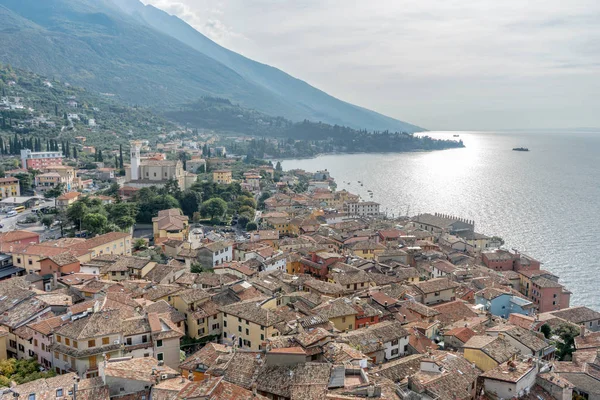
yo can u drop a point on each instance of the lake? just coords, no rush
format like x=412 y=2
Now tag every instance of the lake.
x=545 y=202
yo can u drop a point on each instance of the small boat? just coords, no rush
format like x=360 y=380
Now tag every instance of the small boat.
x=361 y=184
x=456 y=135
x=520 y=149
x=369 y=190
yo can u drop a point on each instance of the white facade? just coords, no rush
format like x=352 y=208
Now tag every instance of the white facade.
x=136 y=145
x=507 y=390
x=396 y=348
x=363 y=208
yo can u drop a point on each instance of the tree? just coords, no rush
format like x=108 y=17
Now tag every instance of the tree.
x=100 y=156
x=243 y=220
x=95 y=223
x=247 y=201
x=196 y=268
x=125 y=222
x=546 y=330
x=47 y=221
x=566 y=346
x=278 y=166
x=25 y=181
x=113 y=189
x=190 y=202
x=55 y=192
x=251 y=226
x=261 y=200
x=213 y=208
x=121 y=156
x=76 y=212
x=139 y=244
x=75 y=152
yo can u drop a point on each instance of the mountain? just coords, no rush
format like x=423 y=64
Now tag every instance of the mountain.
x=148 y=57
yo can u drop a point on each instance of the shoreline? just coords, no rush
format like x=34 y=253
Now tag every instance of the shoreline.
x=358 y=152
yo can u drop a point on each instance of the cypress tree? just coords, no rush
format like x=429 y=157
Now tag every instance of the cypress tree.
x=75 y=153
x=121 y=156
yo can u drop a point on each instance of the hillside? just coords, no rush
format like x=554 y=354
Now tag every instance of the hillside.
x=32 y=106
x=148 y=57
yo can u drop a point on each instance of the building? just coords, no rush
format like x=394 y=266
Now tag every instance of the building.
x=368 y=249
x=216 y=253
x=64 y=201
x=503 y=302
x=222 y=176
x=582 y=316
x=362 y=208
x=436 y=291
x=438 y=223
x=527 y=342
x=152 y=172
x=381 y=342
x=40 y=160
x=543 y=289
x=487 y=352
x=249 y=323
x=170 y=224
x=512 y=379
x=9 y=187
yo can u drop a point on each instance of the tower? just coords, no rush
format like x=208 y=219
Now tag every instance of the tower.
x=136 y=145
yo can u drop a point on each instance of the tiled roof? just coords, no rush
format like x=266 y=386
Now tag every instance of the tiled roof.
x=253 y=312
x=577 y=315
x=435 y=285
x=498 y=349
x=462 y=334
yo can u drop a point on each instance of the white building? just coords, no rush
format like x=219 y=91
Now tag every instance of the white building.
x=513 y=379
x=362 y=208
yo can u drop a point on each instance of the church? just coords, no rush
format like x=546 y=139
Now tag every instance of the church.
x=145 y=172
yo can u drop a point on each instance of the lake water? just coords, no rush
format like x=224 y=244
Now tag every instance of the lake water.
x=545 y=202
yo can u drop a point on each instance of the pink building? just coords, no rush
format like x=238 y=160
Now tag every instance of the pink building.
x=503 y=260
x=41 y=159
x=543 y=289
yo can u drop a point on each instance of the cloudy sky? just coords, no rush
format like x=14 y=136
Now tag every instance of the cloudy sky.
x=449 y=64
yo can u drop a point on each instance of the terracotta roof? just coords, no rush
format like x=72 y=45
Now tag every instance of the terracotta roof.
x=18 y=235
x=69 y=196
x=435 y=285
x=462 y=334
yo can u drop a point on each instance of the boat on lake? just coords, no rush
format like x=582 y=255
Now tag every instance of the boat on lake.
x=520 y=149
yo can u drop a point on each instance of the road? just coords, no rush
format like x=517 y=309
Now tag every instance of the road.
x=10 y=223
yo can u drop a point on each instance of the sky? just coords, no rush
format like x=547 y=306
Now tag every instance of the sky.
x=442 y=65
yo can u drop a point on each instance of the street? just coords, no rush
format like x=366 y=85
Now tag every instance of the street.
x=10 y=223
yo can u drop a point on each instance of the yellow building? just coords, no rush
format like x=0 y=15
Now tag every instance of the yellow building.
x=339 y=312
x=223 y=176
x=64 y=201
x=9 y=187
x=367 y=249
x=3 y=339
x=249 y=323
x=55 y=174
x=170 y=224
x=487 y=352
x=203 y=318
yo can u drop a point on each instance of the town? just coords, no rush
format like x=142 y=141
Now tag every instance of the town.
x=213 y=277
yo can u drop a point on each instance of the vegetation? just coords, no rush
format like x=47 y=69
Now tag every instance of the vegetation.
x=21 y=371
x=156 y=60
x=96 y=218
x=546 y=330
x=566 y=345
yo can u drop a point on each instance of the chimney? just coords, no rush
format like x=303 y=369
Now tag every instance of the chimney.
x=582 y=331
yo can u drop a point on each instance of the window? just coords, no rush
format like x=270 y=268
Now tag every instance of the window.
x=59 y=392
x=262 y=337
x=201 y=331
x=247 y=331
x=215 y=326
x=436 y=294
x=30 y=262
x=145 y=339
x=395 y=342
x=225 y=324
x=105 y=341
x=31 y=396
x=67 y=341
x=58 y=338
x=160 y=357
x=18 y=260
x=239 y=328
x=128 y=341
x=247 y=323
x=92 y=343
x=75 y=343
x=159 y=343
x=343 y=319
x=394 y=352
x=122 y=273
x=239 y=320
x=35 y=342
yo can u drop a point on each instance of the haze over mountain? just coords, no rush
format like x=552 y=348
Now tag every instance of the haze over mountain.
x=148 y=57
